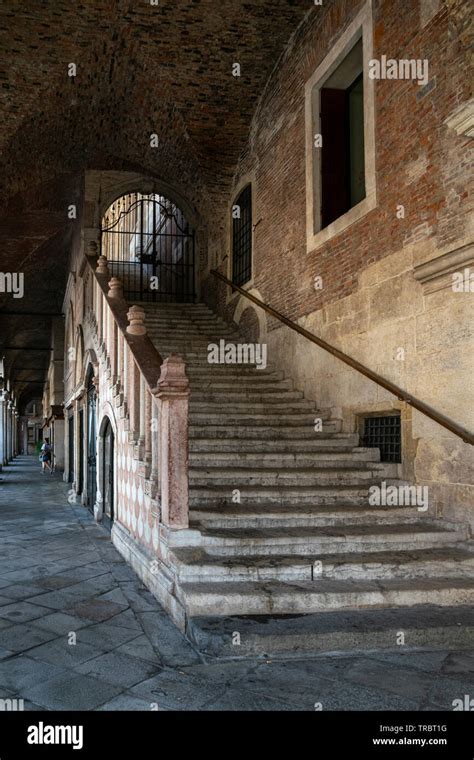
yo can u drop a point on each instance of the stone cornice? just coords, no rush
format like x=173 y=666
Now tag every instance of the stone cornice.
x=436 y=273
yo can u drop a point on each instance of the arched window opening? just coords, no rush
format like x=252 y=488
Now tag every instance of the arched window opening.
x=242 y=237
x=149 y=245
x=107 y=472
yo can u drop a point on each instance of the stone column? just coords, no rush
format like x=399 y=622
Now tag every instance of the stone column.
x=5 y=428
x=173 y=394
x=15 y=433
x=2 y=430
x=9 y=431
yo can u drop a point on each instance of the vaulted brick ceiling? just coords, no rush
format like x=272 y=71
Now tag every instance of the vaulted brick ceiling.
x=140 y=69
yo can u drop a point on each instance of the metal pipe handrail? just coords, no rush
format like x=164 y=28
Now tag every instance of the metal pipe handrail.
x=402 y=395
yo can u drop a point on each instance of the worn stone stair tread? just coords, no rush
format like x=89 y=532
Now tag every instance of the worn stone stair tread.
x=275 y=534
x=205 y=444
x=267 y=469
x=303 y=490
x=201 y=556
x=425 y=626
x=322 y=587
x=284 y=597
x=277 y=510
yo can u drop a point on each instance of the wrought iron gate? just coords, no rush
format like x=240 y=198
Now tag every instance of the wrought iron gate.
x=149 y=245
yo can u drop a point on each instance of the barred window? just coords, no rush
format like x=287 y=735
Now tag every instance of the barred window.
x=384 y=433
x=242 y=237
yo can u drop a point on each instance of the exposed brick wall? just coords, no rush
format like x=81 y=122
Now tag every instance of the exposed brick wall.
x=419 y=162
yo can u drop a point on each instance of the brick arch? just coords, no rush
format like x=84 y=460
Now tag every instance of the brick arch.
x=123 y=183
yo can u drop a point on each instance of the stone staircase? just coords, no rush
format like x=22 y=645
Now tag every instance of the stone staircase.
x=301 y=536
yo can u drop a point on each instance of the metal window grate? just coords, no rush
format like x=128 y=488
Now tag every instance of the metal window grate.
x=242 y=238
x=384 y=433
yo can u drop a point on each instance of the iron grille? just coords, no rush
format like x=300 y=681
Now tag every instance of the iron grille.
x=384 y=433
x=242 y=238
x=149 y=245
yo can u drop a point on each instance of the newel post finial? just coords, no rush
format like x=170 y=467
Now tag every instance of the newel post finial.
x=102 y=267
x=136 y=318
x=115 y=288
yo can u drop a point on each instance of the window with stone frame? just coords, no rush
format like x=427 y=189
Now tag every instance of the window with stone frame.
x=341 y=112
x=340 y=134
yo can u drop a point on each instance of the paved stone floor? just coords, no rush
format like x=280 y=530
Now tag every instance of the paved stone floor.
x=78 y=631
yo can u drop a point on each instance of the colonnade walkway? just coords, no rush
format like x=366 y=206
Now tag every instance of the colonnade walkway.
x=78 y=631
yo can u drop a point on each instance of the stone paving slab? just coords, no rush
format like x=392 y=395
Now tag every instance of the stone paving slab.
x=60 y=652
x=72 y=692
x=118 y=669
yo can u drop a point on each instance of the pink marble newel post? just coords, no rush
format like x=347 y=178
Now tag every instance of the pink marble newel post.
x=173 y=393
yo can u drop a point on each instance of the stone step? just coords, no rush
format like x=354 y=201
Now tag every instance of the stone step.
x=265 y=417
x=265 y=465
x=198 y=566
x=235 y=428
x=314 y=541
x=283 y=496
x=172 y=307
x=232 y=372
x=424 y=627
x=237 y=396
x=303 y=597
x=173 y=336
x=339 y=444
x=316 y=459
x=170 y=320
x=245 y=384
x=271 y=406
x=264 y=516
x=199 y=361
x=238 y=477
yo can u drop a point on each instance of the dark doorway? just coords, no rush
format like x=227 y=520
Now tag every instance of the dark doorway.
x=108 y=474
x=91 y=443
x=80 y=483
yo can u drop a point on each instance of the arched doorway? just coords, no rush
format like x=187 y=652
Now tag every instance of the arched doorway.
x=91 y=441
x=107 y=471
x=149 y=245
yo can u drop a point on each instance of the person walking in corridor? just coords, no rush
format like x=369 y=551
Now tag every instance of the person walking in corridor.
x=46 y=457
